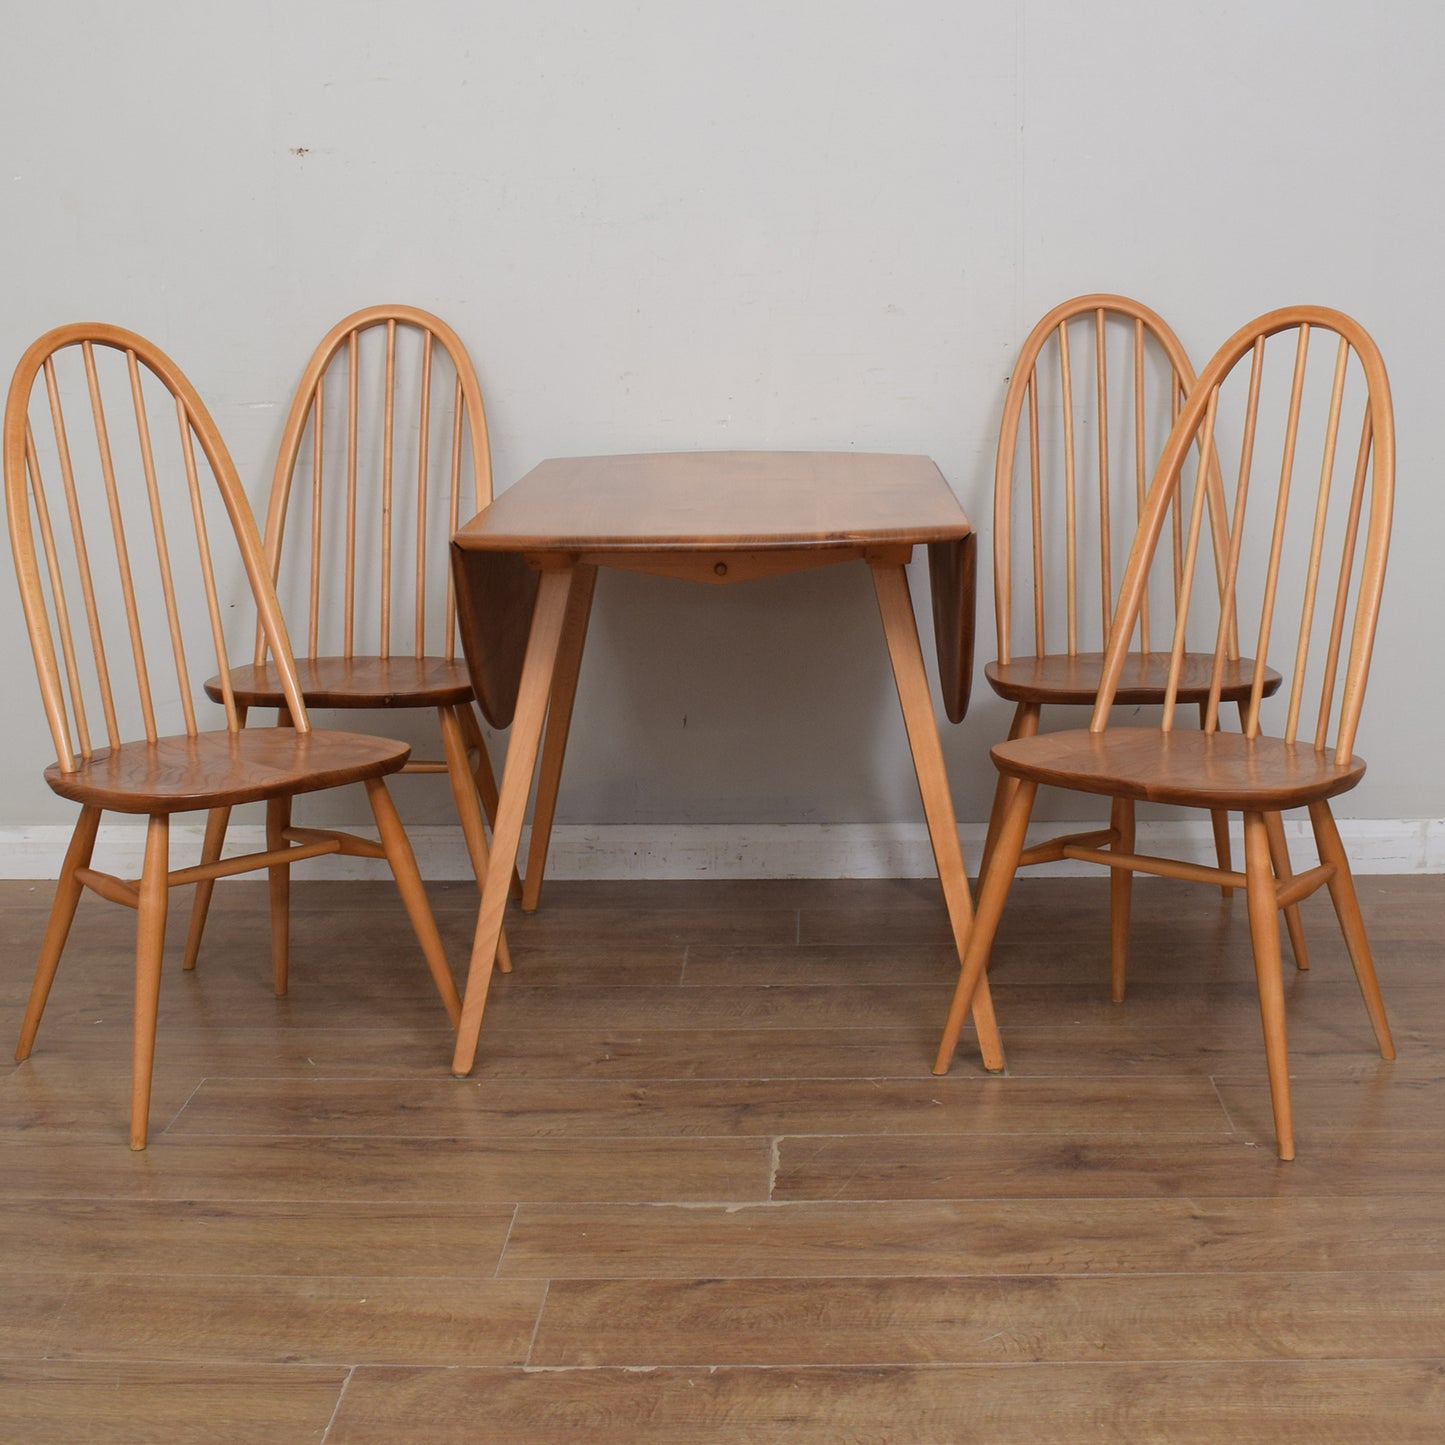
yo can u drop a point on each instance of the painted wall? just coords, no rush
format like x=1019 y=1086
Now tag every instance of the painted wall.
x=759 y=224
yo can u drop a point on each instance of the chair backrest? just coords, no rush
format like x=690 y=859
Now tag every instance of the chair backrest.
x=109 y=525
x=108 y=599
x=1331 y=419
x=378 y=492
x=1092 y=398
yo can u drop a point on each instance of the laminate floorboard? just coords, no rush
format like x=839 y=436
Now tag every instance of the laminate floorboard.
x=1188 y=1403
x=1018 y=1319
x=702 y=1184
x=723 y=1108
x=118 y=1403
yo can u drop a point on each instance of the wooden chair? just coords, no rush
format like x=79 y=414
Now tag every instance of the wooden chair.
x=116 y=499
x=1061 y=390
x=372 y=576
x=1280 y=554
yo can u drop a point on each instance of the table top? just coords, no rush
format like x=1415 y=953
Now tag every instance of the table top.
x=789 y=509
x=704 y=501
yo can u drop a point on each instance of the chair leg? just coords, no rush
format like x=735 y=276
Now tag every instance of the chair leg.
x=992 y=892
x=1025 y=724
x=1264 y=934
x=278 y=819
x=1220 y=820
x=150 y=942
x=469 y=811
x=1279 y=855
x=413 y=894
x=484 y=777
x=57 y=930
x=216 y=823
x=559 y=723
x=1347 y=910
x=1121 y=889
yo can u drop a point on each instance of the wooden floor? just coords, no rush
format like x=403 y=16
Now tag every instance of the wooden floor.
x=703 y=1186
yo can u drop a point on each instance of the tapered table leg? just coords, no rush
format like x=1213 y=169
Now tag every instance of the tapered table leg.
x=559 y=721
x=890 y=582
x=531 y=713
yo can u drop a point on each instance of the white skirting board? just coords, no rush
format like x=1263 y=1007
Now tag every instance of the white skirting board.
x=786 y=850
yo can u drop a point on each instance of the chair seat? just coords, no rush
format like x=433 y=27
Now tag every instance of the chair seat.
x=355 y=682
x=1185 y=766
x=1060 y=678
x=217 y=769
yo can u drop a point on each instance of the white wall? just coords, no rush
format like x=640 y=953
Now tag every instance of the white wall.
x=756 y=224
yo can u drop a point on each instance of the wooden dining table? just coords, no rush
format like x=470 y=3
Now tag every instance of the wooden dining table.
x=525 y=568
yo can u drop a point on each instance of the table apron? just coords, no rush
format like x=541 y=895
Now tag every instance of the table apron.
x=724 y=565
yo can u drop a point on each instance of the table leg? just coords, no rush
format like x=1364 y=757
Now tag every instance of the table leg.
x=559 y=721
x=536 y=686
x=900 y=628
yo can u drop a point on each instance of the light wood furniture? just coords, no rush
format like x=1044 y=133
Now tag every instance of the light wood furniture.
x=525 y=569
x=1092 y=398
x=1344 y=405
x=504 y=593
x=113 y=499
x=375 y=494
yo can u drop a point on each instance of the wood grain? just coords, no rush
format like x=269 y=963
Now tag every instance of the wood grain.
x=289 y=1319
x=1099 y=1166
x=1285 y=1402
x=351 y=682
x=701 y=1107
x=1044 y=1237
x=707 y=500
x=495 y=593
x=1186 y=768
x=998 y=1320
x=1065 y=678
x=434 y=1170
x=117 y=1403
x=706 y=1193
x=953 y=584
x=99 y=1236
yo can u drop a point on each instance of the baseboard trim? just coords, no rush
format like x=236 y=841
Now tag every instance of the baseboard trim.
x=787 y=850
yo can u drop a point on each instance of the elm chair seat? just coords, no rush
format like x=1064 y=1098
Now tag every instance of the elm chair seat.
x=1184 y=767
x=1061 y=678
x=355 y=682
x=220 y=769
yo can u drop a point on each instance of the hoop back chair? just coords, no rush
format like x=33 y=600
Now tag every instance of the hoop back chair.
x=1069 y=380
x=1313 y=572
x=92 y=508
x=370 y=576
